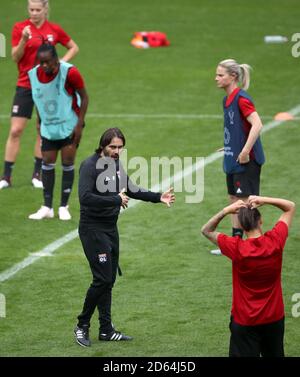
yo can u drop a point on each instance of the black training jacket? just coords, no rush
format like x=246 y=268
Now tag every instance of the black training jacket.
x=100 y=181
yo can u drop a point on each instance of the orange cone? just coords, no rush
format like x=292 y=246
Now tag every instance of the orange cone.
x=284 y=116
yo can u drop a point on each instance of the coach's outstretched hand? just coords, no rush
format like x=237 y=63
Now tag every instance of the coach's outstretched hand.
x=124 y=198
x=168 y=197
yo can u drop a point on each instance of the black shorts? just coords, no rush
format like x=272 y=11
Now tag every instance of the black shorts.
x=246 y=183
x=23 y=103
x=255 y=341
x=55 y=145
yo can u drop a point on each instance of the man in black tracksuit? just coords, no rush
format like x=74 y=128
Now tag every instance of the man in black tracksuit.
x=102 y=186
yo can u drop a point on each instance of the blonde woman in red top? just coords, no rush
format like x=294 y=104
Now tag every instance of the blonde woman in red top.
x=27 y=37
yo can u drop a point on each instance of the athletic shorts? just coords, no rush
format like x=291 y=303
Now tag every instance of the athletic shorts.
x=23 y=103
x=55 y=145
x=255 y=341
x=246 y=183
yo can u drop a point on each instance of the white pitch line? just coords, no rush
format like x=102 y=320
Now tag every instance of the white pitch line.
x=155 y=116
x=51 y=248
x=33 y=257
x=124 y=116
x=145 y=116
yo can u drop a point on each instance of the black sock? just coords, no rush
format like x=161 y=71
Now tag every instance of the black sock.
x=67 y=184
x=8 y=166
x=237 y=232
x=37 y=166
x=48 y=179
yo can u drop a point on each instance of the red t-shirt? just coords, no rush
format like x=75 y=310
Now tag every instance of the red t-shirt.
x=246 y=108
x=47 y=32
x=74 y=82
x=256 y=275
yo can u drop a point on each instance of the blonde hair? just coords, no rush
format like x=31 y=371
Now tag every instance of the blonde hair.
x=242 y=71
x=45 y=4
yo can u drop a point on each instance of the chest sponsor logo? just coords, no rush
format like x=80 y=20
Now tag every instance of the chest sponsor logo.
x=51 y=107
x=50 y=37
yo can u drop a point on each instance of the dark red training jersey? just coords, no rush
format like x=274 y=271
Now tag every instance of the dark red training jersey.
x=256 y=275
x=48 y=32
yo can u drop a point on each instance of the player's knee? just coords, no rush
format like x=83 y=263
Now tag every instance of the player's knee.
x=15 y=132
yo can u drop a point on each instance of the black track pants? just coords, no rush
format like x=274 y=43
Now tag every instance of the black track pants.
x=101 y=247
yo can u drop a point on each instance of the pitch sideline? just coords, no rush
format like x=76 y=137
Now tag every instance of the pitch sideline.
x=155 y=116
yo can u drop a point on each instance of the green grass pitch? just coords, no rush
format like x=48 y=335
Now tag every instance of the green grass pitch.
x=174 y=297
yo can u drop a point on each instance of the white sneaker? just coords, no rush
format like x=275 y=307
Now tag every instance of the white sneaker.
x=37 y=183
x=4 y=184
x=63 y=213
x=42 y=213
x=216 y=252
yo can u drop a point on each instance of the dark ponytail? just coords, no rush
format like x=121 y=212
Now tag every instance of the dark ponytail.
x=249 y=218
